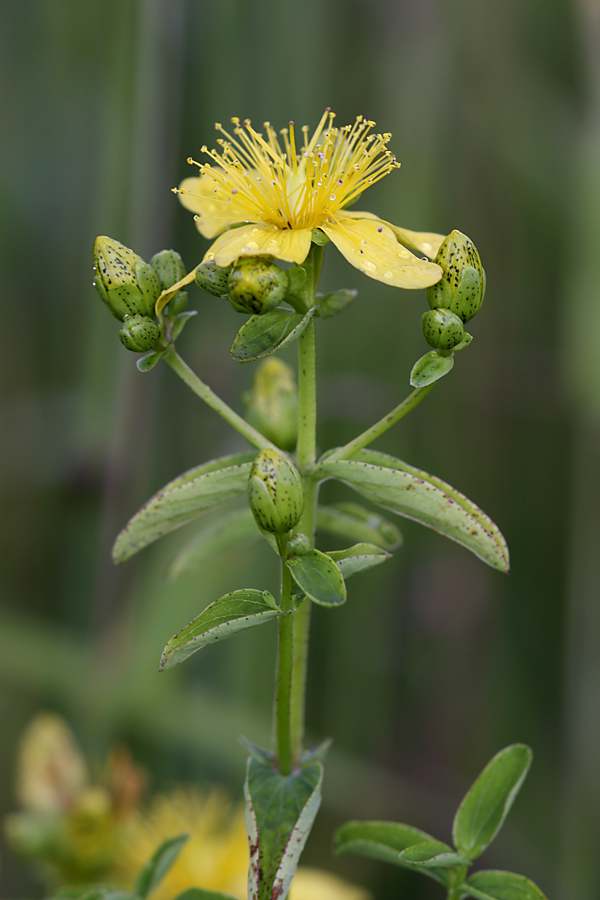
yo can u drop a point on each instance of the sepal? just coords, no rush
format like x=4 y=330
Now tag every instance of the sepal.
x=430 y=368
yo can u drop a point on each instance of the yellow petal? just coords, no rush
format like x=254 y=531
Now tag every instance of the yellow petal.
x=170 y=292
x=427 y=242
x=291 y=244
x=197 y=195
x=371 y=246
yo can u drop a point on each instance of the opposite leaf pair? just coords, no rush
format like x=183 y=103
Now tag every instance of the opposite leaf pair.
x=478 y=820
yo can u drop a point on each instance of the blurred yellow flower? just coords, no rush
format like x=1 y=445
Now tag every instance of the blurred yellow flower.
x=68 y=824
x=216 y=854
x=264 y=196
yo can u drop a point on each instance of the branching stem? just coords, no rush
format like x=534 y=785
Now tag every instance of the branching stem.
x=205 y=393
x=380 y=427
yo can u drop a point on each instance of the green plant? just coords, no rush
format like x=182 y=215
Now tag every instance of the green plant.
x=264 y=200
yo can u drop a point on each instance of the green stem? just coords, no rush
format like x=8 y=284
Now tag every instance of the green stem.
x=214 y=401
x=380 y=427
x=284 y=674
x=306 y=456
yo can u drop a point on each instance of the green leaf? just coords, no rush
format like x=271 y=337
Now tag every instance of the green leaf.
x=433 y=855
x=416 y=495
x=195 y=893
x=182 y=500
x=384 y=841
x=319 y=577
x=331 y=304
x=145 y=363
x=358 y=558
x=496 y=885
x=181 y=321
x=158 y=865
x=353 y=522
x=484 y=808
x=280 y=810
x=430 y=368
x=233 y=529
x=225 y=617
x=265 y=334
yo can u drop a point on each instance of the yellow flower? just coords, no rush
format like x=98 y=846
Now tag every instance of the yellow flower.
x=264 y=196
x=216 y=855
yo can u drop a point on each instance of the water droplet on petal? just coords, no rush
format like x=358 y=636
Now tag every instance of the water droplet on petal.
x=251 y=245
x=332 y=196
x=254 y=230
x=371 y=267
x=388 y=274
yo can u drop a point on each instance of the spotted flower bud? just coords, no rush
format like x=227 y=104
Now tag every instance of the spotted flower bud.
x=139 y=333
x=127 y=284
x=213 y=278
x=298 y=545
x=462 y=286
x=169 y=267
x=257 y=286
x=275 y=492
x=442 y=329
x=271 y=404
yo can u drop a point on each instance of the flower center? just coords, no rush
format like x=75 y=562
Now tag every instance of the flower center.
x=267 y=180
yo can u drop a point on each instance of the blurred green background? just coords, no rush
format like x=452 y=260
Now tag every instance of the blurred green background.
x=436 y=662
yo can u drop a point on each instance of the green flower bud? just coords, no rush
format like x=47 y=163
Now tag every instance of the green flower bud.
x=271 y=404
x=178 y=303
x=462 y=286
x=169 y=267
x=257 y=286
x=213 y=278
x=139 y=333
x=442 y=329
x=298 y=545
x=275 y=492
x=127 y=284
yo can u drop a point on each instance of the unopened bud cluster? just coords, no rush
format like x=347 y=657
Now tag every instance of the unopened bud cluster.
x=275 y=492
x=130 y=288
x=254 y=285
x=456 y=297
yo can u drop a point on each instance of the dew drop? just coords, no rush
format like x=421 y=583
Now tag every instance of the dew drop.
x=332 y=197
x=371 y=267
x=254 y=230
x=251 y=245
x=363 y=242
x=388 y=274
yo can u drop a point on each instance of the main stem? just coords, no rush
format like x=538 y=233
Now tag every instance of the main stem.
x=284 y=672
x=306 y=457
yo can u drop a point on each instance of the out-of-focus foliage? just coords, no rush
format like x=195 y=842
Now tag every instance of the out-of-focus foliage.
x=70 y=825
x=434 y=662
